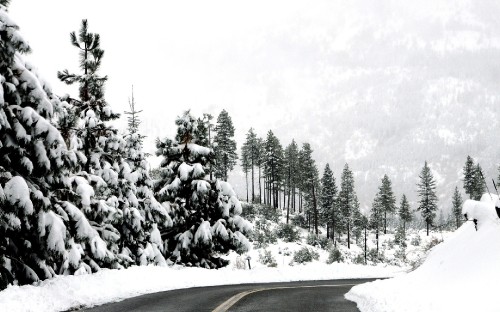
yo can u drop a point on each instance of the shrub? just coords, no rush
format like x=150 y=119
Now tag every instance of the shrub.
x=359 y=259
x=248 y=211
x=416 y=240
x=262 y=234
x=375 y=257
x=267 y=258
x=299 y=220
x=269 y=213
x=434 y=241
x=305 y=255
x=317 y=240
x=335 y=256
x=288 y=233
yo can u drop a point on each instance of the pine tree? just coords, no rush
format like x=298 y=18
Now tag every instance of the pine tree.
x=291 y=173
x=42 y=233
x=310 y=183
x=252 y=150
x=376 y=218
x=387 y=199
x=427 y=193
x=205 y=213
x=404 y=212
x=245 y=163
x=105 y=168
x=347 y=201
x=457 y=207
x=261 y=160
x=478 y=188
x=144 y=217
x=328 y=203
x=469 y=177
x=273 y=167
x=224 y=146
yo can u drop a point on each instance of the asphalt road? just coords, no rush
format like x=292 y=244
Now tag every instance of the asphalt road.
x=293 y=296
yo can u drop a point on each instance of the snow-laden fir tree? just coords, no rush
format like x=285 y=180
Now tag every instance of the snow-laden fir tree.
x=376 y=218
x=469 y=177
x=245 y=163
x=105 y=169
x=205 y=213
x=479 y=187
x=427 y=203
x=387 y=199
x=328 y=201
x=252 y=154
x=144 y=217
x=291 y=174
x=224 y=146
x=310 y=184
x=456 y=209
x=273 y=167
x=347 y=201
x=404 y=212
x=42 y=233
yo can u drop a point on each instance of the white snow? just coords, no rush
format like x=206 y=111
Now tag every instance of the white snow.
x=460 y=274
x=66 y=292
x=17 y=193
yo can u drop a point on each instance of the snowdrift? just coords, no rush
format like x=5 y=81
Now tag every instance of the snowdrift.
x=460 y=274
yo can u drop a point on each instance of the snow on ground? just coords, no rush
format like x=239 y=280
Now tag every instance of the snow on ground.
x=460 y=274
x=67 y=292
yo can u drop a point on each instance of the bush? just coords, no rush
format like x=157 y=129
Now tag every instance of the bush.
x=267 y=258
x=401 y=253
x=288 y=233
x=262 y=234
x=416 y=240
x=434 y=241
x=248 y=211
x=317 y=240
x=335 y=256
x=400 y=236
x=359 y=259
x=269 y=213
x=305 y=255
x=299 y=220
x=375 y=257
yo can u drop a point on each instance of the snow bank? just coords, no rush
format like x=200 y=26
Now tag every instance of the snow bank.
x=460 y=274
x=68 y=292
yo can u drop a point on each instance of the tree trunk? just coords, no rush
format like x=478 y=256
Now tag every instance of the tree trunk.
x=365 y=245
x=246 y=180
x=349 y=235
x=376 y=237
x=253 y=183
x=315 y=210
x=385 y=222
x=427 y=228
x=260 y=190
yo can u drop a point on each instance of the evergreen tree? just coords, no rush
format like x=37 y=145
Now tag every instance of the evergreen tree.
x=310 y=183
x=357 y=220
x=376 y=218
x=479 y=187
x=105 y=168
x=347 y=201
x=469 y=177
x=328 y=203
x=273 y=167
x=261 y=160
x=457 y=207
x=42 y=233
x=252 y=150
x=205 y=213
x=404 y=212
x=245 y=163
x=292 y=173
x=144 y=217
x=427 y=193
x=387 y=199
x=224 y=146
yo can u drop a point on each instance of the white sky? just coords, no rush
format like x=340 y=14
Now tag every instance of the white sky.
x=365 y=82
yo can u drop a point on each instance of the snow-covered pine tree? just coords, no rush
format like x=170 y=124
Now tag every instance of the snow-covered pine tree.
x=245 y=163
x=205 y=213
x=253 y=155
x=347 y=196
x=291 y=172
x=469 y=176
x=224 y=146
x=328 y=201
x=273 y=167
x=144 y=217
x=427 y=203
x=404 y=212
x=376 y=218
x=310 y=184
x=479 y=187
x=456 y=209
x=41 y=231
x=105 y=168
x=387 y=199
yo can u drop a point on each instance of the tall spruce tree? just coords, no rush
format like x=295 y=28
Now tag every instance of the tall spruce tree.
x=206 y=213
x=328 y=201
x=347 y=201
x=427 y=203
x=469 y=177
x=105 y=167
x=144 y=217
x=456 y=209
x=251 y=145
x=291 y=172
x=376 y=218
x=273 y=167
x=387 y=199
x=310 y=184
x=42 y=233
x=224 y=146
x=405 y=217
x=479 y=187
x=245 y=163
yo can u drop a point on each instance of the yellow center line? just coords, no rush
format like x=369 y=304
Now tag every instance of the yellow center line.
x=234 y=299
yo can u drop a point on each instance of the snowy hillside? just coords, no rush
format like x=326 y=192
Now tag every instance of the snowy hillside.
x=460 y=274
